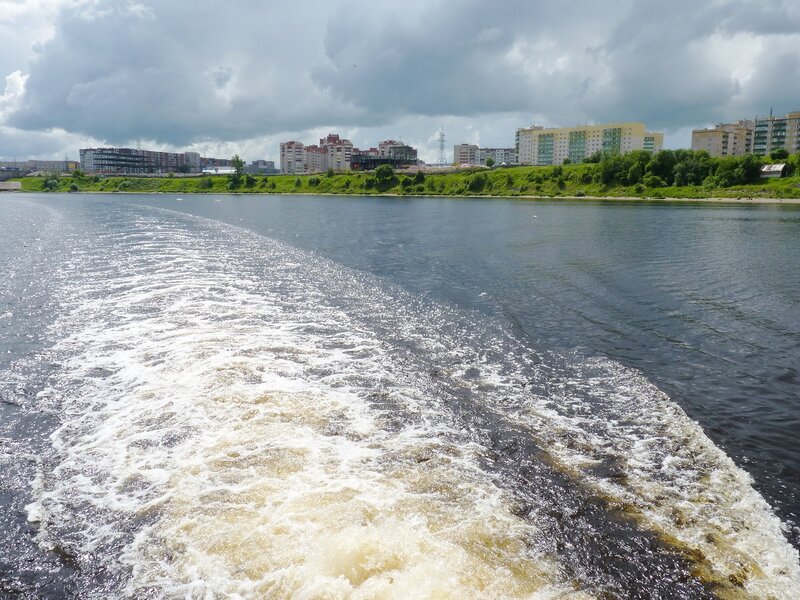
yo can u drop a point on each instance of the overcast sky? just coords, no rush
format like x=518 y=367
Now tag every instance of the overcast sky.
x=243 y=75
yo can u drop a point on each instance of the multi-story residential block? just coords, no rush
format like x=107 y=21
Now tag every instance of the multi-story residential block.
x=552 y=146
x=338 y=152
x=726 y=139
x=334 y=152
x=466 y=154
x=773 y=133
x=314 y=159
x=292 y=157
x=500 y=156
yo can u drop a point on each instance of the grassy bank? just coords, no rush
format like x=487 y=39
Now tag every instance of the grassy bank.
x=571 y=181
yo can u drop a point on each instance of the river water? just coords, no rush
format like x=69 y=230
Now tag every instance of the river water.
x=315 y=397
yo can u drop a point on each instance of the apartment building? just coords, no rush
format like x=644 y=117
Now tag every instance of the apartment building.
x=773 y=133
x=314 y=159
x=466 y=154
x=292 y=157
x=500 y=156
x=726 y=139
x=552 y=146
x=338 y=152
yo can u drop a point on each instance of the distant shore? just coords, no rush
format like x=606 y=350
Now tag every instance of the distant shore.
x=572 y=183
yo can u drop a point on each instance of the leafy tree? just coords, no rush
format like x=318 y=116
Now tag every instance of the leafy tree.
x=385 y=177
x=489 y=162
x=662 y=164
x=384 y=174
x=238 y=165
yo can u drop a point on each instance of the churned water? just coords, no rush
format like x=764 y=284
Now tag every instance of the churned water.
x=307 y=397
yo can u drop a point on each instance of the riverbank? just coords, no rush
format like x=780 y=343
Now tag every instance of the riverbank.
x=569 y=182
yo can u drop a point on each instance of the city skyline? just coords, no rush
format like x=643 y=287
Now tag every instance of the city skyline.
x=178 y=78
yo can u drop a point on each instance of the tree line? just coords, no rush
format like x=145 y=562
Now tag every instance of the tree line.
x=683 y=167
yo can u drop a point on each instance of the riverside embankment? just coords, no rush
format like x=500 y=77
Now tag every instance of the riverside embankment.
x=590 y=181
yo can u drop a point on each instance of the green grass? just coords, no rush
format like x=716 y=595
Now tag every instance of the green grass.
x=574 y=181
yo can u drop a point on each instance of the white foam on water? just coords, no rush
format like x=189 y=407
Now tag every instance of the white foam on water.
x=237 y=422
x=221 y=436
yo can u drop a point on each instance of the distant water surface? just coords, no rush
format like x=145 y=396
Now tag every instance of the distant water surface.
x=278 y=396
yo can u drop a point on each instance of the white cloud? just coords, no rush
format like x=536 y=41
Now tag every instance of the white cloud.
x=179 y=74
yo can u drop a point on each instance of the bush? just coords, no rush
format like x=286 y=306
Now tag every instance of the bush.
x=73 y=187
x=272 y=185
x=638 y=188
x=96 y=179
x=329 y=172
x=594 y=158
x=419 y=177
x=779 y=154
x=314 y=181
x=407 y=182
x=125 y=184
x=297 y=183
x=51 y=185
x=205 y=183
x=580 y=194
x=477 y=183
x=654 y=181
x=249 y=181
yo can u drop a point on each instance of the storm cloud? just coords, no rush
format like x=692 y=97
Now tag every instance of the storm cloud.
x=194 y=74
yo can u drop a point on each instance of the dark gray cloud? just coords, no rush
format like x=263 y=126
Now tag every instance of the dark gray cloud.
x=182 y=73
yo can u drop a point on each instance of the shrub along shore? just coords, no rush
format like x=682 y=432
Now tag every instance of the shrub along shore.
x=678 y=174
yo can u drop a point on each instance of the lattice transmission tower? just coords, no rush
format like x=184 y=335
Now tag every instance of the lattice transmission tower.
x=442 y=159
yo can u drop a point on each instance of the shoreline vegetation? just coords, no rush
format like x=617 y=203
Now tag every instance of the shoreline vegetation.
x=666 y=176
